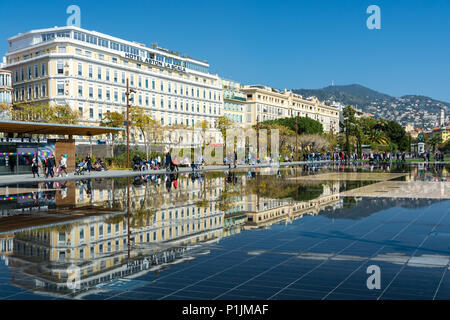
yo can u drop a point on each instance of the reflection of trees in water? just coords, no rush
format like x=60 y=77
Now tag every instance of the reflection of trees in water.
x=119 y=218
x=275 y=188
x=306 y=193
x=353 y=184
x=142 y=218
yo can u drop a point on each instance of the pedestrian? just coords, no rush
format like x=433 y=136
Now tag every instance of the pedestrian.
x=168 y=160
x=52 y=165
x=62 y=166
x=89 y=163
x=35 y=166
x=48 y=167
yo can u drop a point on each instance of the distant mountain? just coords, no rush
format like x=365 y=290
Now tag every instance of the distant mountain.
x=419 y=111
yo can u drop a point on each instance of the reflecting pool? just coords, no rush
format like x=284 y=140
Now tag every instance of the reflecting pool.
x=309 y=232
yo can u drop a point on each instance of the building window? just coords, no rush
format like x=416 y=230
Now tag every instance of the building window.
x=60 y=67
x=80 y=69
x=60 y=87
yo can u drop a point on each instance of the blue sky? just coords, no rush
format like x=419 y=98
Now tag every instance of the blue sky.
x=284 y=44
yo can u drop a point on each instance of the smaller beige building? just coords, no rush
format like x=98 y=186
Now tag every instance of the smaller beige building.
x=265 y=103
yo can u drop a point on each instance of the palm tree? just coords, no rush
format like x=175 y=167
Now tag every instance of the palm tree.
x=376 y=136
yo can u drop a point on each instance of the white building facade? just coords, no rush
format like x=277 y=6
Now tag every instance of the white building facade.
x=88 y=70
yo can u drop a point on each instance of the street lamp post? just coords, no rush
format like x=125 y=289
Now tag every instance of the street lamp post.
x=127 y=93
x=257 y=138
x=296 y=136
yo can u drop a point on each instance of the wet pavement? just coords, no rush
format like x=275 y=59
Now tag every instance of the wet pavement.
x=303 y=232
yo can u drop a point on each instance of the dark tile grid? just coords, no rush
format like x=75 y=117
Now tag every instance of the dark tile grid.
x=406 y=284
x=236 y=276
x=336 y=293
x=230 y=272
x=176 y=282
x=353 y=284
x=317 y=282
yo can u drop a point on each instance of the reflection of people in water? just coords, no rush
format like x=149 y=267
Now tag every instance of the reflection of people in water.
x=195 y=176
x=168 y=184
x=231 y=177
x=87 y=187
x=62 y=188
x=171 y=179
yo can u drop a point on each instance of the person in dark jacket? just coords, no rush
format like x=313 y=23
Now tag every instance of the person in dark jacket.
x=89 y=162
x=48 y=167
x=35 y=166
x=168 y=160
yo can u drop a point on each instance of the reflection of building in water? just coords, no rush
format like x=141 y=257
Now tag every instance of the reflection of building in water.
x=164 y=227
x=99 y=248
x=265 y=212
x=6 y=243
x=233 y=205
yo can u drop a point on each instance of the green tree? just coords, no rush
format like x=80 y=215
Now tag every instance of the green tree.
x=434 y=141
x=223 y=123
x=142 y=120
x=348 y=126
x=113 y=120
x=376 y=136
x=395 y=131
x=203 y=126
x=63 y=115
x=304 y=124
x=286 y=135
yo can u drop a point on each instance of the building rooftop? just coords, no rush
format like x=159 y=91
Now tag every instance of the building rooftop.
x=154 y=48
x=53 y=128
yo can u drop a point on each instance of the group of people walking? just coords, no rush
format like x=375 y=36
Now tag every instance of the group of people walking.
x=49 y=165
